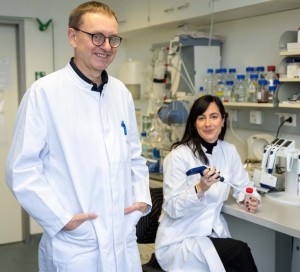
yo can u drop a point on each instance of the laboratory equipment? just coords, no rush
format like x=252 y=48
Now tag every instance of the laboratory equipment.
x=173 y=112
x=281 y=148
x=134 y=74
x=188 y=59
x=256 y=145
x=200 y=170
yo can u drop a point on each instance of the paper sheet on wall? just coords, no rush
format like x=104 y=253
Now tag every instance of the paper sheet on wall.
x=4 y=72
x=1 y=101
x=2 y=130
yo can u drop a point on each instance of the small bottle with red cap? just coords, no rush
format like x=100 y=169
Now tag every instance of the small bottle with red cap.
x=248 y=196
x=271 y=75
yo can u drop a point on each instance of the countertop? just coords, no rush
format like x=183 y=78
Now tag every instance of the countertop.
x=273 y=215
x=279 y=217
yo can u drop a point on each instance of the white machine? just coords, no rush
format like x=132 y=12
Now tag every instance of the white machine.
x=281 y=149
x=188 y=60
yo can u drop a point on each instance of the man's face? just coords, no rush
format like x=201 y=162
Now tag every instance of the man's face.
x=89 y=58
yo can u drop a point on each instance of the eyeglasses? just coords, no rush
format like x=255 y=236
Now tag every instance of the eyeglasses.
x=99 y=39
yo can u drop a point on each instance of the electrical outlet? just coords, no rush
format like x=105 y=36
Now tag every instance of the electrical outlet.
x=232 y=115
x=255 y=117
x=283 y=116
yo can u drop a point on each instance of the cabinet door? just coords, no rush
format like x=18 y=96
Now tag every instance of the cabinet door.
x=10 y=210
x=167 y=11
x=131 y=14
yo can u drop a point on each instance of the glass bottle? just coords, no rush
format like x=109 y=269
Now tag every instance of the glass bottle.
x=147 y=149
x=209 y=82
x=252 y=88
x=262 y=95
x=232 y=74
x=271 y=75
x=249 y=71
x=271 y=93
x=240 y=89
x=228 y=91
x=261 y=72
x=220 y=90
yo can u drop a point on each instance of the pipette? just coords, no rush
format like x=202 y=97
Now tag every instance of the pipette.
x=201 y=169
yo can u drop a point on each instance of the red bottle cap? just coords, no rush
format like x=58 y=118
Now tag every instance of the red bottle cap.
x=249 y=190
x=271 y=68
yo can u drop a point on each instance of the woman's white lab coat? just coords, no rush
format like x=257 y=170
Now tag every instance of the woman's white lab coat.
x=182 y=242
x=75 y=151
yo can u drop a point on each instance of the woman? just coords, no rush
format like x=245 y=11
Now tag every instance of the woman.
x=193 y=235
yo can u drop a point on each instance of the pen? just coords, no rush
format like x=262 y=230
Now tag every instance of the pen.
x=124 y=127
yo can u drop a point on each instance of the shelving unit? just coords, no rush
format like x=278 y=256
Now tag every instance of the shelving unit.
x=247 y=104
x=287 y=37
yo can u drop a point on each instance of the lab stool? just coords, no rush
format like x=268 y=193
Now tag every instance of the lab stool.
x=147 y=227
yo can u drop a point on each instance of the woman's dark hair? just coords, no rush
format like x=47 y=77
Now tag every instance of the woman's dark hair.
x=191 y=138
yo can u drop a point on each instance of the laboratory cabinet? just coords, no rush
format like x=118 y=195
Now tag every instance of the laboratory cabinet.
x=286 y=92
x=131 y=14
x=167 y=11
x=139 y=14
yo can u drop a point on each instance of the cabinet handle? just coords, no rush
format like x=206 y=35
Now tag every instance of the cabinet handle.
x=186 y=5
x=122 y=22
x=168 y=10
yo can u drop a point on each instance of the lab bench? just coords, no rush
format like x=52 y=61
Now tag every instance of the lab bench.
x=272 y=232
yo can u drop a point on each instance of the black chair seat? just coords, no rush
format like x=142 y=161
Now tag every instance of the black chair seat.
x=147 y=227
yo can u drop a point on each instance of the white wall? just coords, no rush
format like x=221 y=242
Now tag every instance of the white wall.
x=58 y=11
x=250 y=41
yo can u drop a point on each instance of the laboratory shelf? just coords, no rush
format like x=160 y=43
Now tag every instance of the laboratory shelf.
x=290 y=53
x=289 y=79
x=248 y=104
x=262 y=105
x=290 y=105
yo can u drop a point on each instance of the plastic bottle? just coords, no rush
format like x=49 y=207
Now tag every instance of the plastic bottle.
x=209 y=82
x=228 y=91
x=240 y=89
x=252 y=88
x=271 y=75
x=262 y=95
x=248 y=195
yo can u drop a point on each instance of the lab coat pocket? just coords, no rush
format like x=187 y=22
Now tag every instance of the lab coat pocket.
x=131 y=221
x=83 y=236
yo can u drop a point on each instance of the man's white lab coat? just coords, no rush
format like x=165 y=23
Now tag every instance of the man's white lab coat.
x=75 y=151
x=182 y=242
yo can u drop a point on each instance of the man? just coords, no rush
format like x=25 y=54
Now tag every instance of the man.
x=75 y=162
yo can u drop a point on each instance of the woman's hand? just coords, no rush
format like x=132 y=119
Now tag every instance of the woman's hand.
x=210 y=176
x=251 y=204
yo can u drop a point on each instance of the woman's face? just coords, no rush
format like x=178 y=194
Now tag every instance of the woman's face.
x=210 y=123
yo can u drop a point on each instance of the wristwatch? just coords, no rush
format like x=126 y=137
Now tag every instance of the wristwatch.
x=199 y=194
